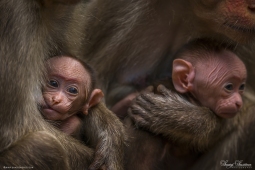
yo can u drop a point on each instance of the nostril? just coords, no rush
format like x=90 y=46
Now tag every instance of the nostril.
x=55 y=101
x=252 y=7
x=238 y=105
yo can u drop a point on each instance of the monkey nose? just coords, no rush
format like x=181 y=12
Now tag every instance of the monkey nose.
x=239 y=104
x=55 y=100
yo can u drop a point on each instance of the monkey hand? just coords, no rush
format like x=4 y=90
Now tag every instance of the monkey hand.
x=167 y=113
x=149 y=109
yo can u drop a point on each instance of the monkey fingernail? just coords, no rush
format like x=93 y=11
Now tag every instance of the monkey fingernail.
x=161 y=88
x=149 y=89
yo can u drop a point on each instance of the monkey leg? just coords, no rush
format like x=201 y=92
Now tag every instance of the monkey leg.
x=107 y=135
x=37 y=150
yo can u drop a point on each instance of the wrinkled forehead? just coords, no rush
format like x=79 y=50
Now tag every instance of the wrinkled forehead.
x=219 y=67
x=231 y=62
x=68 y=68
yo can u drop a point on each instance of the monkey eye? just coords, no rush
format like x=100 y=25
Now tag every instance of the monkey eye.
x=242 y=87
x=229 y=87
x=53 y=83
x=72 y=90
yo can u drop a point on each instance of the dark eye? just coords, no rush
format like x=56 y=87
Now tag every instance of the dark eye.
x=229 y=87
x=72 y=90
x=53 y=83
x=242 y=87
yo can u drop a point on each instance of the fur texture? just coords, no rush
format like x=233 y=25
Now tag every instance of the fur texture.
x=32 y=31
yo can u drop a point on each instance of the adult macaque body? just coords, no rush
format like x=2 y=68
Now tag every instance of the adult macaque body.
x=69 y=94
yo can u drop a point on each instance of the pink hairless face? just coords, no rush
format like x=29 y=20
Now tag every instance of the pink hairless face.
x=66 y=90
x=217 y=83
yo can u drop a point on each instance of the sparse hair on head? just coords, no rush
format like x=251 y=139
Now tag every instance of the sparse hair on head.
x=201 y=49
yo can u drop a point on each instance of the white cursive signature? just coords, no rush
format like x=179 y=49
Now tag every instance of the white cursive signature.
x=236 y=164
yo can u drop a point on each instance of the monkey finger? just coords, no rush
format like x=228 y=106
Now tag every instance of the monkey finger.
x=152 y=99
x=139 y=99
x=136 y=109
x=139 y=110
x=97 y=163
x=163 y=90
x=145 y=101
x=149 y=89
x=137 y=117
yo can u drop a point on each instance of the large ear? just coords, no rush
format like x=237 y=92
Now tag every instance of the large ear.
x=183 y=75
x=94 y=99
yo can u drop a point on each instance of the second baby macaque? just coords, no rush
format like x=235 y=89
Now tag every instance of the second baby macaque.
x=207 y=74
x=197 y=111
x=73 y=104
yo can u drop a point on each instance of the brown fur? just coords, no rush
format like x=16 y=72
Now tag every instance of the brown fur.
x=129 y=37
x=139 y=37
x=23 y=42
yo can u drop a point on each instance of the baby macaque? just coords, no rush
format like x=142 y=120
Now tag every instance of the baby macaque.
x=214 y=78
x=191 y=115
x=207 y=74
x=73 y=104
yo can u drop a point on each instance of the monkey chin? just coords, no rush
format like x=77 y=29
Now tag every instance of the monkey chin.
x=227 y=113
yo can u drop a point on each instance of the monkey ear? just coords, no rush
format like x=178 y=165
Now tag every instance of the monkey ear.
x=183 y=75
x=94 y=99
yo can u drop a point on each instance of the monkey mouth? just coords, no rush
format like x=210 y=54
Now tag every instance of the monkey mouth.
x=48 y=108
x=240 y=29
x=49 y=112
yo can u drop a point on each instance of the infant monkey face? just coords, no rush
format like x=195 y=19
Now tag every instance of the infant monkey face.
x=225 y=99
x=62 y=99
x=224 y=96
x=65 y=92
x=230 y=101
